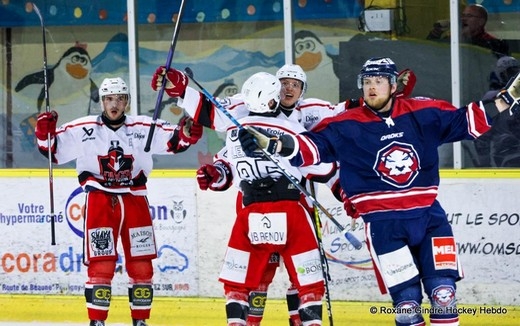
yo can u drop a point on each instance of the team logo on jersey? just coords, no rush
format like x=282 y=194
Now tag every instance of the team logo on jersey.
x=233 y=136
x=116 y=167
x=397 y=164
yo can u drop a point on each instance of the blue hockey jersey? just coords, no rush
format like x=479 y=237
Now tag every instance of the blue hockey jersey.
x=389 y=166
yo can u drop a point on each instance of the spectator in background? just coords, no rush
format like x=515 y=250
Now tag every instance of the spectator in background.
x=473 y=31
x=500 y=147
x=506 y=67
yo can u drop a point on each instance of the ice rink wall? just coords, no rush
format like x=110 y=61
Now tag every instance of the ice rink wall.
x=192 y=228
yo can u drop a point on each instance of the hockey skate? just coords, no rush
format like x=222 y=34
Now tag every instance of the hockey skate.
x=97 y=323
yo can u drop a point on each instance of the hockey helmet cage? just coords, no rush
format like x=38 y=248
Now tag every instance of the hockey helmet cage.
x=378 y=67
x=293 y=71
x=259 y=89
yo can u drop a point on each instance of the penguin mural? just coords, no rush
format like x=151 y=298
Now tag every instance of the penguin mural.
x=227 y=89
x=71 y=91
x=312 y=56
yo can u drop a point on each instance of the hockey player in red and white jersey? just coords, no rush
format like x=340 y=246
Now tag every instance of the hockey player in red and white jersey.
x=113 y=169
x=389 y=169
x=272 y=218
x=293 y=106
x=307 y=111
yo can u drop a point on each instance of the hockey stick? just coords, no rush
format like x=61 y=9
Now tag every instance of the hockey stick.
x=323 y=257
x=47 y=109
x=167 y=67
x=350 y=237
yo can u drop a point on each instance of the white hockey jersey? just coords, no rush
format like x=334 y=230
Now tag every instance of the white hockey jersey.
x=254 y=168
x=113 y=160
x=308 y=112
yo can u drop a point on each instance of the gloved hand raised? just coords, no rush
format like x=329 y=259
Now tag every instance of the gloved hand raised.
x=176 y=81
x=253 y=139
x=190 y=131
x=405 y=83
x=46 y=124
x=206 y=176
x=511 y=94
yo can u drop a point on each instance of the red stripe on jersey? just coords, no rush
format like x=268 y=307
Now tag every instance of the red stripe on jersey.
x=359 y=114
x=444 y=321
x=70 y=125
x=308 y=150
x=394 y=200
x=375 y=263
x=477 y=120
x=313 y=105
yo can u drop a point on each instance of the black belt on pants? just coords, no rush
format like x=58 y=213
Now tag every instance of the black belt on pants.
x=267 y=190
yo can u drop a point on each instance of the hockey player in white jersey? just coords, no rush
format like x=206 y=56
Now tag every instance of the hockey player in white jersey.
x=293 y=106
x=113 y=168
x=272 y=218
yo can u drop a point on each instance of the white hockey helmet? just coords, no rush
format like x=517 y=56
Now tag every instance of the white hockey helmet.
x=295 y=72
x=259 y=89
x=113 y=86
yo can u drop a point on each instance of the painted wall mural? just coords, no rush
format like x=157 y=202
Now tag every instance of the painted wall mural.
x=75 y=71
x=80 y=56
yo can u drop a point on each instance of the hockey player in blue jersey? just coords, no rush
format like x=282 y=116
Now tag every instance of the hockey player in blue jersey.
x=389 y=169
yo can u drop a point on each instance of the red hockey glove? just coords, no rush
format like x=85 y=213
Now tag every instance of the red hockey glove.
x=206 y=176
x=176 y=81
x=216 y=177
x=46 y=124
x=405 y=83
x=348 y=206
x=190 y=131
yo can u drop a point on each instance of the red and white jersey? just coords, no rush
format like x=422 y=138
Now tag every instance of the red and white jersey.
x=308 y=112
x=254 y=168
x=113 y=160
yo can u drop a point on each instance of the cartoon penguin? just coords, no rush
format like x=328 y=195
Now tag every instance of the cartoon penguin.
x=311 y=55
x=71 y=91
x=227 y=89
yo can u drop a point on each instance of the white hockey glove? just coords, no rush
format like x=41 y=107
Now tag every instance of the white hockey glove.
x=511 y=94
x=253 y=139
